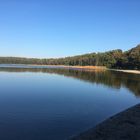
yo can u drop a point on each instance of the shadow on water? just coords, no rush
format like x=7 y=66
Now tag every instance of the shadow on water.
x=111 y=79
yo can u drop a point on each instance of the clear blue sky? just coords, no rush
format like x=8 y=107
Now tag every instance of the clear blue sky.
x=57 y=28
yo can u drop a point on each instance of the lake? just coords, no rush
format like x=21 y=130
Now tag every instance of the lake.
x=53 y=103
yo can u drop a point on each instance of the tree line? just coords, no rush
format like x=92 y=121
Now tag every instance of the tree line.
x=112 y=59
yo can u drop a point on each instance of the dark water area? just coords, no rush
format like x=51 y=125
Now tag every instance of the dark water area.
x=45 y=103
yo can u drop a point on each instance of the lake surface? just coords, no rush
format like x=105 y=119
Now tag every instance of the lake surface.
x=45 y=103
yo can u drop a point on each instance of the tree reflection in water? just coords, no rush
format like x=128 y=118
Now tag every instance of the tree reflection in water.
x=108 y=78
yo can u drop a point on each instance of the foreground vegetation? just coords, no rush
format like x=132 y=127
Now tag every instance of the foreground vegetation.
x=111 y=59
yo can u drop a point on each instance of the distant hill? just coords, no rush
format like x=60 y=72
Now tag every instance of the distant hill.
x=112 y=59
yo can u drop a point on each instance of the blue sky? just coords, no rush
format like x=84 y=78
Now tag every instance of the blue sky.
x=58 y=28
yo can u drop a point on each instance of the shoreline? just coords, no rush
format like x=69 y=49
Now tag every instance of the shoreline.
x=127 y=71
x=124 y=125
x=97 y=68
x=52 y=66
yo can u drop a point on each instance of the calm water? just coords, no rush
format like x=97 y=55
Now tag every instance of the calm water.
x=54 y=104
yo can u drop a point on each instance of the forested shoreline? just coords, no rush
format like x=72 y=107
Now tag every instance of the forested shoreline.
x=112 y=59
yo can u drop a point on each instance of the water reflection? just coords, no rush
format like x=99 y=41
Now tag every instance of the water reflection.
x=55 y=103
x=108 y=78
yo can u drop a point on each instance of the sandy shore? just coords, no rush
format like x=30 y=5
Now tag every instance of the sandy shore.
x=101 y=68
x=123 y=126
x=129 y=71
